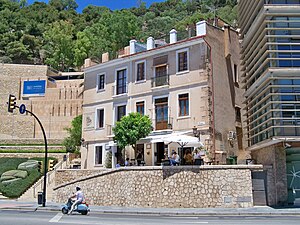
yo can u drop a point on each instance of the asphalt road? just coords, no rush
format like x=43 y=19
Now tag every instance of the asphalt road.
x=18 y=217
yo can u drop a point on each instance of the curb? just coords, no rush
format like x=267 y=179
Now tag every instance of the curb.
x=285 y=213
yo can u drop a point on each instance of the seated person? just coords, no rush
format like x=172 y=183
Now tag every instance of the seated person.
x=175 y=159
x=127 y=162
x=188 y=157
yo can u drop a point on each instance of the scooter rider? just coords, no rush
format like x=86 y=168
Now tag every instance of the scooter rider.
x=79 y=198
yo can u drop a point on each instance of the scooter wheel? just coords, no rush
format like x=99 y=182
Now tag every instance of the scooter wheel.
x=64 y=211
x=84 y=212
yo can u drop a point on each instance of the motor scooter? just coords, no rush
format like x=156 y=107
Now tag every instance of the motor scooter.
x=82 y=208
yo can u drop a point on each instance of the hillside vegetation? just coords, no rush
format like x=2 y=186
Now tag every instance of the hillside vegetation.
x=57 y=35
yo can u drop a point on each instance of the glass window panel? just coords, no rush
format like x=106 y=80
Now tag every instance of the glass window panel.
x=98 y=155
x=182 y=61
x=140 y=71
x=183 y=105
x=100 y=118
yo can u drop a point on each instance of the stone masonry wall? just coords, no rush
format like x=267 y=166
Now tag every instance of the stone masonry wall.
x=66 y=176
x=274 y=160
x=170 y=187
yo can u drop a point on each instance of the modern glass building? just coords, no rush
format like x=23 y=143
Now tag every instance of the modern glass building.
x=270 y=64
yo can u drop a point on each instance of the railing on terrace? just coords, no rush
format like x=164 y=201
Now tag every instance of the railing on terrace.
x=163 y=123
x=160 y=81
x=118 y=90
x=39 y=185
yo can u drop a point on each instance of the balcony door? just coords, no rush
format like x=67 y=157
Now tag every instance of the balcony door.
x=161 y=113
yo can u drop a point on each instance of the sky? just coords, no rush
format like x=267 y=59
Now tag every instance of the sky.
x=112 y=4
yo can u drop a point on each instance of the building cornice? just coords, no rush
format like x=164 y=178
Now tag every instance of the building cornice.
x=145 y=54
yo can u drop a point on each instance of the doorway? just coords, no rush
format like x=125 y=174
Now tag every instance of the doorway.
x=160 y=151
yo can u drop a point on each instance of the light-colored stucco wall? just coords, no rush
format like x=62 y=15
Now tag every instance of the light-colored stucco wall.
x=208 y=82
x=227 y=94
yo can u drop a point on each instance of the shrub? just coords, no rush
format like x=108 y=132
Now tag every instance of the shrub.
x=108 y=163
x=10 y=164
x=16 y=188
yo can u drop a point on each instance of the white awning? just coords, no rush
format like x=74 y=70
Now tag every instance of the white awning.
x=176 y=137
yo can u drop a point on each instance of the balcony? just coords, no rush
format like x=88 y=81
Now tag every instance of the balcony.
x=163 y=123
x=160 y=81
x=119 y=90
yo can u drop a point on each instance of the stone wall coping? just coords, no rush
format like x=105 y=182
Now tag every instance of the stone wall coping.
x=145 y=168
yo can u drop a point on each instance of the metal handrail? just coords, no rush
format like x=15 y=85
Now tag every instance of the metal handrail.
x=50 y=175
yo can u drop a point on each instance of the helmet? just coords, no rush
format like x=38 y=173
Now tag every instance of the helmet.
x=78 y=188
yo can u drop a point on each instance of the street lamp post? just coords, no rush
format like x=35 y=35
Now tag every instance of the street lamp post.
x=46 y=156
x=22 y=110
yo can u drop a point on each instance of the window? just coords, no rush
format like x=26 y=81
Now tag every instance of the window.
x=238 y=117
x=235 y=73
x=121 y=111
x=98 y=155
x=161 y=77
x=140 y=71
x=183 y=104
x=182 y=60
x=140 y=107
x=100 y=118
x=121 y=82
x=100 y=82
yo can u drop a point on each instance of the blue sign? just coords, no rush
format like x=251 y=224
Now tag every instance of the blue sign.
x=34 y=88
x=22 y=109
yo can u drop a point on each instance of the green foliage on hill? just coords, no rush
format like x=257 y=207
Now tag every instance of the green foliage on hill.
x=55 y=34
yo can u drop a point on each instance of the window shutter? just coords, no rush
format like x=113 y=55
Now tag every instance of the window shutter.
x=160 y=60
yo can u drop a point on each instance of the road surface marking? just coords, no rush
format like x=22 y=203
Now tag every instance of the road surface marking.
x=194 y=222
x=56 y=218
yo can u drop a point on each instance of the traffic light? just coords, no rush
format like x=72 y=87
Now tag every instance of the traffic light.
x=40 y=166
x=50 y=164
x=11 y=103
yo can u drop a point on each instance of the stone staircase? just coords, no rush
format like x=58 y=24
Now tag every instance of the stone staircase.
x=32 y=193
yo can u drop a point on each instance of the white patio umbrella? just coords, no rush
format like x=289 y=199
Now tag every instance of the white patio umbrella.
x=182 y=140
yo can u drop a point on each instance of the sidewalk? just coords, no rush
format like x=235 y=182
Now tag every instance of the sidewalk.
x=255 y=211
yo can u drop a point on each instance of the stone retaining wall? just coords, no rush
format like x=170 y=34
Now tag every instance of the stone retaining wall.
x=26 y=141
x=66 y=176
x=58 y=156
x=169 y=187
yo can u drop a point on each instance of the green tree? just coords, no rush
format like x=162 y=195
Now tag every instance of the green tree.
x=73 y=141
x=64 y=4
x=81 y=49
x=131 y=128
x=59 y=45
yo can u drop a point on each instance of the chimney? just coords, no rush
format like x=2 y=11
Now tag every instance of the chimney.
x=173 y=36
x=87 y=62
x=132 y=46
x=105 y=57
x=227 y=40
x=150 y=43
x=201 y=28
